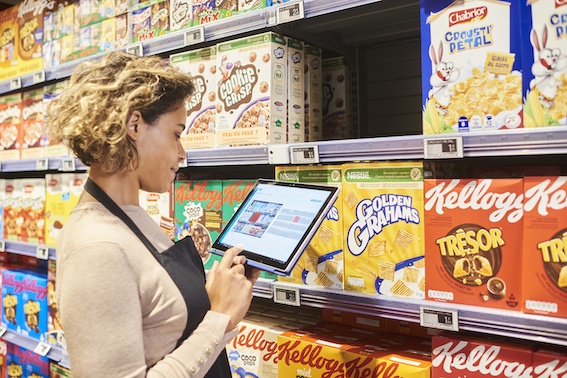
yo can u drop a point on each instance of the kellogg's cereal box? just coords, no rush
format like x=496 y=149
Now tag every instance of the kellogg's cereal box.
x=545 y=62
x=49 y=93
x=33 y=211
x=544 y=272
x=12 y=312
x=550 y=361
x=34 y=305
x=383 y=223
x=58 y=371
x=313 y=78
x=322 y=263
x=32 y=126
x=159 y=207
x=8 y=43
x=140 y=23
x=30 y=34
x=25 y=363
x=337 y=123
x=252 y=90
x=296 y=93
x=198 y=213
x=180 y=14
x=471 y=66
x=473 y=242
x=10 y=126
x=201 y=114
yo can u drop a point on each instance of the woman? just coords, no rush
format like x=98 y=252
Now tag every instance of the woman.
x=132 y=304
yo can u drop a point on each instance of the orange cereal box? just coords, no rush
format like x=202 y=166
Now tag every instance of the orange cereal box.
x=383 y=225
x=322 y=263
x=544 y=273
x=473 y=242
x=10 y=126
x=32 y=126
x=9 y=43
x=33 y=211
x=30 y=34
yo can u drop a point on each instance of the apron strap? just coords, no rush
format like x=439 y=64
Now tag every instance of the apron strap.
x=94 y=190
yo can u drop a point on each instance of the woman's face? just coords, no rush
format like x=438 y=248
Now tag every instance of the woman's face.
x=160 y=149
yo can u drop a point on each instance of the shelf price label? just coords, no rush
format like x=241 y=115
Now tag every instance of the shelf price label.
x=38 y=77
x=2 y=331
x=16 y=84
x=42 y=349
x=286 y=295
x=304 y=154
x=439 y=319
x=443 y=147
x=42 y=252
x=136 y=49
x=194 y=36
x=290 y=12
x=68 y=165
x=42 y=164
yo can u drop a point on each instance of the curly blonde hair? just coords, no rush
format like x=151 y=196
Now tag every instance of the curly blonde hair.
x=91 y=113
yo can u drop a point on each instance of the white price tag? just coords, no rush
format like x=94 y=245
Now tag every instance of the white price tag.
x=15 y=84
x=136 y=49
x=38 y=77
x=41 y=164
x=42 y=349
x=194 y=36
x=286 y=295
x=2 y=331
x=304 y=154
x=443 y=147
x=290 y=12
x=2 y=246
x=440 y=319
x=68 y=165
x=42 y=252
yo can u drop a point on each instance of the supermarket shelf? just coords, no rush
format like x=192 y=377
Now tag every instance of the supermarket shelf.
x=42 y=164
x=249 y=155
x=263 y=288
x=56 y=353
x=27 y=249
x=477 y=319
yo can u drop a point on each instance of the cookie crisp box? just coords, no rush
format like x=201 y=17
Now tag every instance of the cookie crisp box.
x=471 y=66
x=252 y=90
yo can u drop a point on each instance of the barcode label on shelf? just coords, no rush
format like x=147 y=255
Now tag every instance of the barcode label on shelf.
x=443 y=148
x=38 y=77
x=41 y=164
x=286 y=295
x=290 y=12
x=194 y=36
x=15 y=84
x=42 y=349
x=2 y=331
x=440 y=319
x=42 y=252
x=304 y=155
x=68 y=165
x=136 y=49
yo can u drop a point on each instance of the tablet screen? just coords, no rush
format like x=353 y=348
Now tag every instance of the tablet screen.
x=275 y=221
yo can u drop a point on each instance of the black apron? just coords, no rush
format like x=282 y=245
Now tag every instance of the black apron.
x=185 y=267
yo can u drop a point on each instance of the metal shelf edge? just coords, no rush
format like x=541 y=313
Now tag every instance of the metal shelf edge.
x=26 y=249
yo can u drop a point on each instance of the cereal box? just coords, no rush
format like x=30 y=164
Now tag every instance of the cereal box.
x=122 y=37
x=10 y=126
x=159 y=206
x=12 y=209
x=296 y=93
x=58 y=371
x=313 y=74
x=201 y=115
x=206 y=11
x=8 y=43
x=322 y=263
x=471 y=66
x=34 y=305
x=246 y=5
x=33 y=211
x=12 y=311
x=383 y=222
x=140 y=24
x=94 y=11
x=336 y=100
x=30 y=34
x=544 y=272
x=181 y=14
x=54 y=334
x=252 y=90
x=22 y=362
x=550 y=361
x=3 y=350
x=545 y=63
x=455 y=355
x=198 y=213
x=49 y=93
x=473 y=242
x=32 y=126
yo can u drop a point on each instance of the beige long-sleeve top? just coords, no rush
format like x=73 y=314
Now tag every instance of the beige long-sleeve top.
x=122 y=314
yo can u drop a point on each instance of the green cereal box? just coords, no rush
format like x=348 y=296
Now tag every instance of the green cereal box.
x=198 y=213
x=384 y=231
x=322 y=263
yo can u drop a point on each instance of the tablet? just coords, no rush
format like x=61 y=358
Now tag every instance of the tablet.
x=276 y=222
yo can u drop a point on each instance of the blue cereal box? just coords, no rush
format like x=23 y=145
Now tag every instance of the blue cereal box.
x=34 y=305
x=471 y=65
x=25 y=363
x=545 y=62
x=11 y=300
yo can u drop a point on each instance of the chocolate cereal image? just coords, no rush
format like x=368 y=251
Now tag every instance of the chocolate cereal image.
x=202 y=240
x=204 y=122
x=556 y=269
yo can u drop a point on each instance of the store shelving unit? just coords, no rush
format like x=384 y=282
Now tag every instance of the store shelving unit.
x=54 y=353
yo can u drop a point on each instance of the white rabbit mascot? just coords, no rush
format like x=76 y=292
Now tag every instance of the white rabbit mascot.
x=546 y=65
x=445 y=73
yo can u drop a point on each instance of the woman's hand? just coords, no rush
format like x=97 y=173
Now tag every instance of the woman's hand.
x=229 y=286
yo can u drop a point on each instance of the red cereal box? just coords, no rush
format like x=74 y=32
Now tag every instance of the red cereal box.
x=32 y=126
x=473 y=242
x=545 y=246
x=10 y=125
x=550 y=362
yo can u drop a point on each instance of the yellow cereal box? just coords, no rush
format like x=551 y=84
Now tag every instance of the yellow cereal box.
x=471 y=66
x=201 y=115
x=8 y=43
x=10 y=126
x=382 y=220
x=295 y=113
x=322 y=263
x=33 y=128
x=545 y=62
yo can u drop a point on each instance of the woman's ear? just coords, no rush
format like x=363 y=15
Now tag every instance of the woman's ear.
x=133 y=125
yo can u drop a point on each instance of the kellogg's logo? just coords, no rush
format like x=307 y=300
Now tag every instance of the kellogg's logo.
x=254 y=339
x=547 y=195
x=309 y=356
x=198 y=192
x=467 y=15
x=234 y=192
x=358 y=368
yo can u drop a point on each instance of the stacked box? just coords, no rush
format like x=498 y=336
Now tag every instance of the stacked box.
x=13 y=209
x=544 y=272
x=313 y=77
x=159 y=207
x=22 y=362
x=471 y=66
x=95 y=11
x=252 y=90
x=296 y=99
x=322 y=263
x=549 y=360
x=198 y=213
x=55 y=335
x=201 y=115
x=8 y=43
x=32 y=125
x=12 y=311
x=337 y=123
x=33 y=211
x=34 y=306
x=10 y=126
x=544 y=62
x=181 y=14
x=122 y=37
x=383 y=221
x=206 y=11
x=49 y=93
x=473 y=242
x=150 y=19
